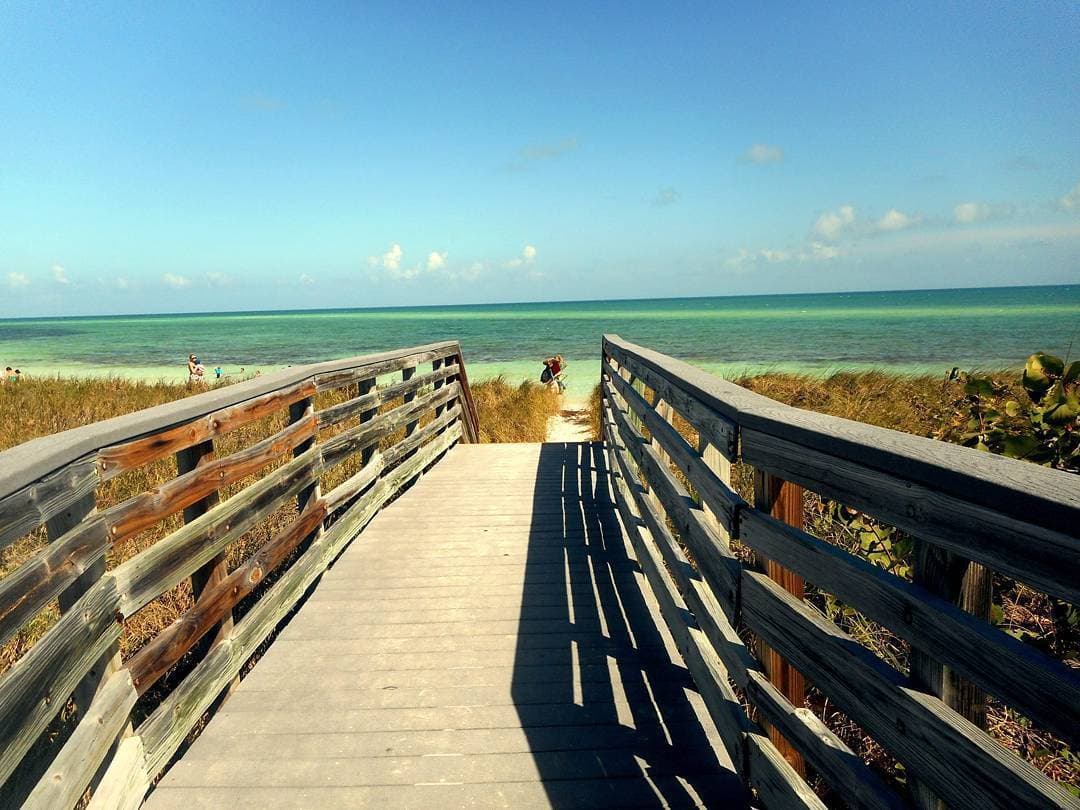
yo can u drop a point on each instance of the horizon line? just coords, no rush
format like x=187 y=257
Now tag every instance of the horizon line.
x=520 y=303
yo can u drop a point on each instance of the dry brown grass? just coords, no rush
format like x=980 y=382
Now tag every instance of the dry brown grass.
x=513 y=413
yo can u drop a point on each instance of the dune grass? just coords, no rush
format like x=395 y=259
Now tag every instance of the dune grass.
x=513 y=413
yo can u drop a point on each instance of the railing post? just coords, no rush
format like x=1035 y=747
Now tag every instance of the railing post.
x=784 y=501
x=435 y=366
x=366 y=387
x=967 y=585
x=57 y=527
x=217 y=569
x=304 y=409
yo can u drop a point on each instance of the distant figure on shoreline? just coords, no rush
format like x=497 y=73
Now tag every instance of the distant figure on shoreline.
x=196 y=370
x=553 y=372
x=9 y=376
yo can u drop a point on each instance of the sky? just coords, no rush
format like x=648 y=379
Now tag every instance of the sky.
x=170 y=157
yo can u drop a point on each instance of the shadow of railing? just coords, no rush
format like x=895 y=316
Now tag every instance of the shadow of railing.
x=608 y=717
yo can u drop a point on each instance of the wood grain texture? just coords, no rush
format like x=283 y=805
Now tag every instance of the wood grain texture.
x=125 y=782
x=167 y=562
x=27 y=463
x=165 y=729
x=738 y=733
x=719 y=567
x=1027 y=492
x=708 y=486
x=82 y=755
x=784 y=501
x=39 y=580
x=201 y=479
x=841 y=768
x=217 y=600
x=23 y=511
x=928 y=737
x=36 y=686
x=1046 y=559
x=716 y=429
x=407 y=388
x=120 y=458
x=351 y=376
x=1035 y=684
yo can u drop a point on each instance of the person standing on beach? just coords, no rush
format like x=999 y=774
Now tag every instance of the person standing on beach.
x=553 y=369
x=9 y=376
x=195 y=370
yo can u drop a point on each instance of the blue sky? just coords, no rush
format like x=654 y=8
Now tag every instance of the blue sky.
x=220 y=156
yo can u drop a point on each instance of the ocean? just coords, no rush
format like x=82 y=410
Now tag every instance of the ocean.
x=924 y=331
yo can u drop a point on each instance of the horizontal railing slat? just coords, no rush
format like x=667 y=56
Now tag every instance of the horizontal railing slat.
x=918 y=729
x=71 y=771
x=1025 y=491
x=710 y=488
x=166 y=728
x=24 y=510
x=170 y=560
x=356 y=406
x=38 y=458
x=1043 y=558
x=834 y=760
x=1044 y=690
x=36 y=687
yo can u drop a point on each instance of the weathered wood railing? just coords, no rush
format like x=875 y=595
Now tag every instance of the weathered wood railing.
x=260 y=523
x=970 y=513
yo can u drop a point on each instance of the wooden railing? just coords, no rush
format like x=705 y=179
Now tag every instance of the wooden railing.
x=729 y=577
x=272 y=477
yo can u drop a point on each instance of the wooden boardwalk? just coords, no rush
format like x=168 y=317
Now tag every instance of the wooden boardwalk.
x=487 y=641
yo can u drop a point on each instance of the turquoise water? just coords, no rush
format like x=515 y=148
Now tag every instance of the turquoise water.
x=911 y=331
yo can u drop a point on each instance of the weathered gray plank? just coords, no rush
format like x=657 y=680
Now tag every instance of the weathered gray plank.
x=73 y=768
x=36 y=686
x=1046 y=559
x=920 y=731
x=26 y=463
x=1027 y=492
x=24 y=510
x=1037 y=685
x=125 y=782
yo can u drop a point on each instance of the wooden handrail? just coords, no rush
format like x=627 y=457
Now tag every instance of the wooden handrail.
x=1017 y=518
x=354 y=446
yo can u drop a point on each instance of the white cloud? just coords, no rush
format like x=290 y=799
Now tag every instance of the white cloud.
x=391 y=260
x=528 y=256
x=60 y=274
x=819 y=250
x=966 y=213
x=175 y=281
x=1071 y=201
x=541 y=151
x=306 y=280
x=218 y=279
x=18 y=280
x=436 y=260
x=832 y=224
x=121 y=282
x=763 y=154
x=894 y=221
x=473 y=271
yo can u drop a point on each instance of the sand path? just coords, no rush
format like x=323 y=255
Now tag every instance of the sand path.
x=571 y=424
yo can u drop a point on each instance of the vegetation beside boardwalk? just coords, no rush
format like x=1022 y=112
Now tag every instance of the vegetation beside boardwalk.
x=513 y=413
x=1033 y=415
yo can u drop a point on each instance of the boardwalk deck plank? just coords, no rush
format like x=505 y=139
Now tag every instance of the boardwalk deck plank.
x=501 y=651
